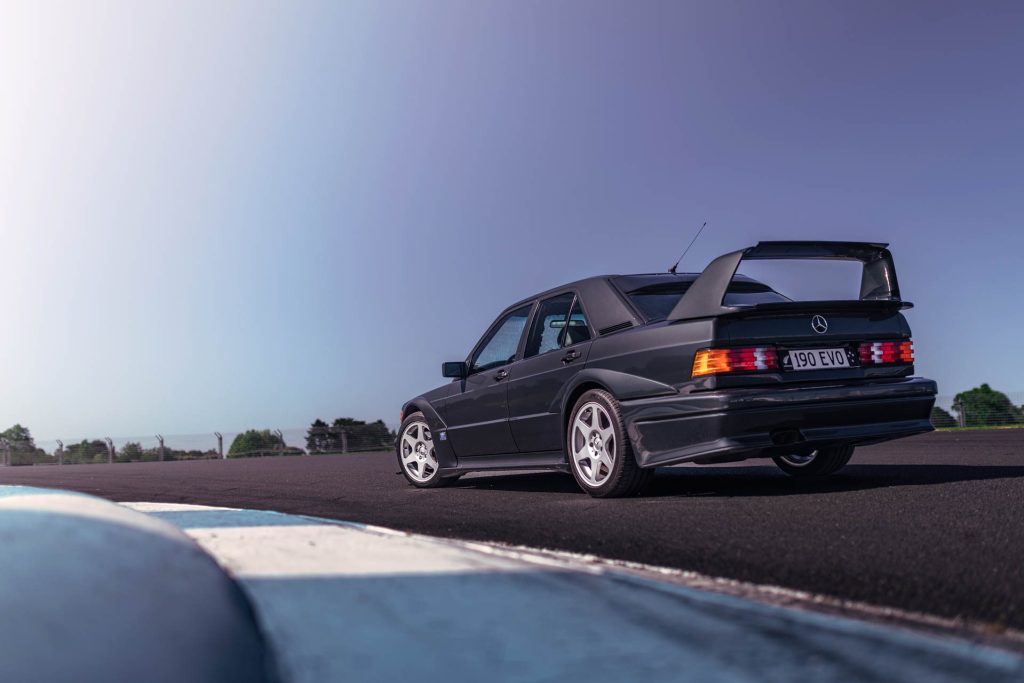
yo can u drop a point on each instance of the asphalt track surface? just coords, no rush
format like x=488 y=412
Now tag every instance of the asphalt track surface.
x=932 y=524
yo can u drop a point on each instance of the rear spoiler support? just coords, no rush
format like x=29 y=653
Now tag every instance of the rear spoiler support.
x=704 y=297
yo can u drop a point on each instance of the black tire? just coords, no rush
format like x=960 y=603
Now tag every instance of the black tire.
x=625 y=477
x=418 y=427
x=821 y=463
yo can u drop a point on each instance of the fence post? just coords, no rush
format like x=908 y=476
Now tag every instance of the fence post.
x=344 y=440
x=60 y=452
x=280 y=441
x=6 y=446
x=160 y=438
x=961 y=413
x=220 y=445
x=110 y=450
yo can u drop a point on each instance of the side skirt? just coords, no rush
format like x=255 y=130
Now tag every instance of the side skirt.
x=547 y=460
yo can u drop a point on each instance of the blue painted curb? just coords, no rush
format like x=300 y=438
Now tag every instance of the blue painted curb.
x=92 y=591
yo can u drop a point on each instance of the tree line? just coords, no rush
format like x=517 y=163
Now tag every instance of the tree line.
x=344 y=435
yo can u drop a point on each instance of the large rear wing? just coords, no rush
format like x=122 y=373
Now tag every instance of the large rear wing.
x=704 y=297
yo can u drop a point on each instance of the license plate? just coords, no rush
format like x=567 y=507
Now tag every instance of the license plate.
x=816 y=359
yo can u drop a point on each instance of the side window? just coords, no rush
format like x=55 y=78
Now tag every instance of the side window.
x=501 y=344
x=549 y=325
x=576 y=331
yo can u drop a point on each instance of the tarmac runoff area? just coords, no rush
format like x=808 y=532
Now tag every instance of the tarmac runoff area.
x=349 y=602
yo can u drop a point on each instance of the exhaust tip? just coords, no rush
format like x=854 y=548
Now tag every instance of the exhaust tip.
x=785 y=437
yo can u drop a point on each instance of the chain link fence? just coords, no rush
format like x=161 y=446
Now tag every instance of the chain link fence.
x=979 y=408
x=18 y=447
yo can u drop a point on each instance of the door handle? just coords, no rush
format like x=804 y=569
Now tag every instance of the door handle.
x=502 y=374
x=571 y=356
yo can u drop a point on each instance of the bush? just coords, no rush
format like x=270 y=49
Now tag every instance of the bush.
x=984 y=406
x=256 y=442
x=346 y=435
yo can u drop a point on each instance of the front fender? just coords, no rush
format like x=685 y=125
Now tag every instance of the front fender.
x=438 y=428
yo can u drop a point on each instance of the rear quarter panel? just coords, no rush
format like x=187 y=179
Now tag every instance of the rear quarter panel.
x=662 y=353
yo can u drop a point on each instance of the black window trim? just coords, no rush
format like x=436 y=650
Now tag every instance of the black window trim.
x=536 y=314
x=576 y=298
x=586 y=319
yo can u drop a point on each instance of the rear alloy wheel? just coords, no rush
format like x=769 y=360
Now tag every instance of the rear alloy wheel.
x=818 y=463
x=600 y=455
x=416 y=456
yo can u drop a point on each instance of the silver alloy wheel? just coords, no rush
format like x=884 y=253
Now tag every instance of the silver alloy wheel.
x=593 y=445
x=418 y=457
x=798 y=460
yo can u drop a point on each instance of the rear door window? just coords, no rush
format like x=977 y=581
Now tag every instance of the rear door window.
x=576 y=330
x=549 y=326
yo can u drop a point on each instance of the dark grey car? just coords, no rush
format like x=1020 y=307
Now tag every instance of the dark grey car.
x=612 y=376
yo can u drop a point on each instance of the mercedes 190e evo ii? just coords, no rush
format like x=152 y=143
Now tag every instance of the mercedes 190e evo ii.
x=613 y=376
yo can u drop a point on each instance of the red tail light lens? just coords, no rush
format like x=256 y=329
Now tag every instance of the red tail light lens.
x=887 y=353
x=721 y=361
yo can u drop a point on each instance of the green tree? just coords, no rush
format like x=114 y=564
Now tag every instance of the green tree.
x=254 y=442
x=23 y=446
x=373 y=436
x=18 y=435
x=985 y=406
x=942 y=418
x=346 y=434
x=130 y=452
x=318 y=437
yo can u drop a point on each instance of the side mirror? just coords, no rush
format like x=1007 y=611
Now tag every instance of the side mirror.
x=456 y=369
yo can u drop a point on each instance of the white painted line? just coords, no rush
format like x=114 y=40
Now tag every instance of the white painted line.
x=347 y=602
x=322 y=550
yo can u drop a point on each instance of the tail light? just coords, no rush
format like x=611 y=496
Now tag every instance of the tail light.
x=887 y=353
x=721 y=361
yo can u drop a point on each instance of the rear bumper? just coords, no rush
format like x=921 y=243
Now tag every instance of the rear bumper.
x=736 y=424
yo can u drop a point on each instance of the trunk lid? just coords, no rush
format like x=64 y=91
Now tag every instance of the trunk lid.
x=807 y=349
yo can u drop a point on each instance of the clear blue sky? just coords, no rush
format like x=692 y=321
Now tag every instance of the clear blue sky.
x=217 y=216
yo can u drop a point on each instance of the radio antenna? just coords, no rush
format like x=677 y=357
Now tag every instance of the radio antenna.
x=673 y=268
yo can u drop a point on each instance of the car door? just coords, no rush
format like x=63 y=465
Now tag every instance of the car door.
x=477 y=409
x=555 y=350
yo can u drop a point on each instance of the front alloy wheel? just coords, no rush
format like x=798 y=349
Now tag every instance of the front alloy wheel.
x=416 y=456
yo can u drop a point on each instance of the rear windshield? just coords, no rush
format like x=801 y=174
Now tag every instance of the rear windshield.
x=657 y=301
